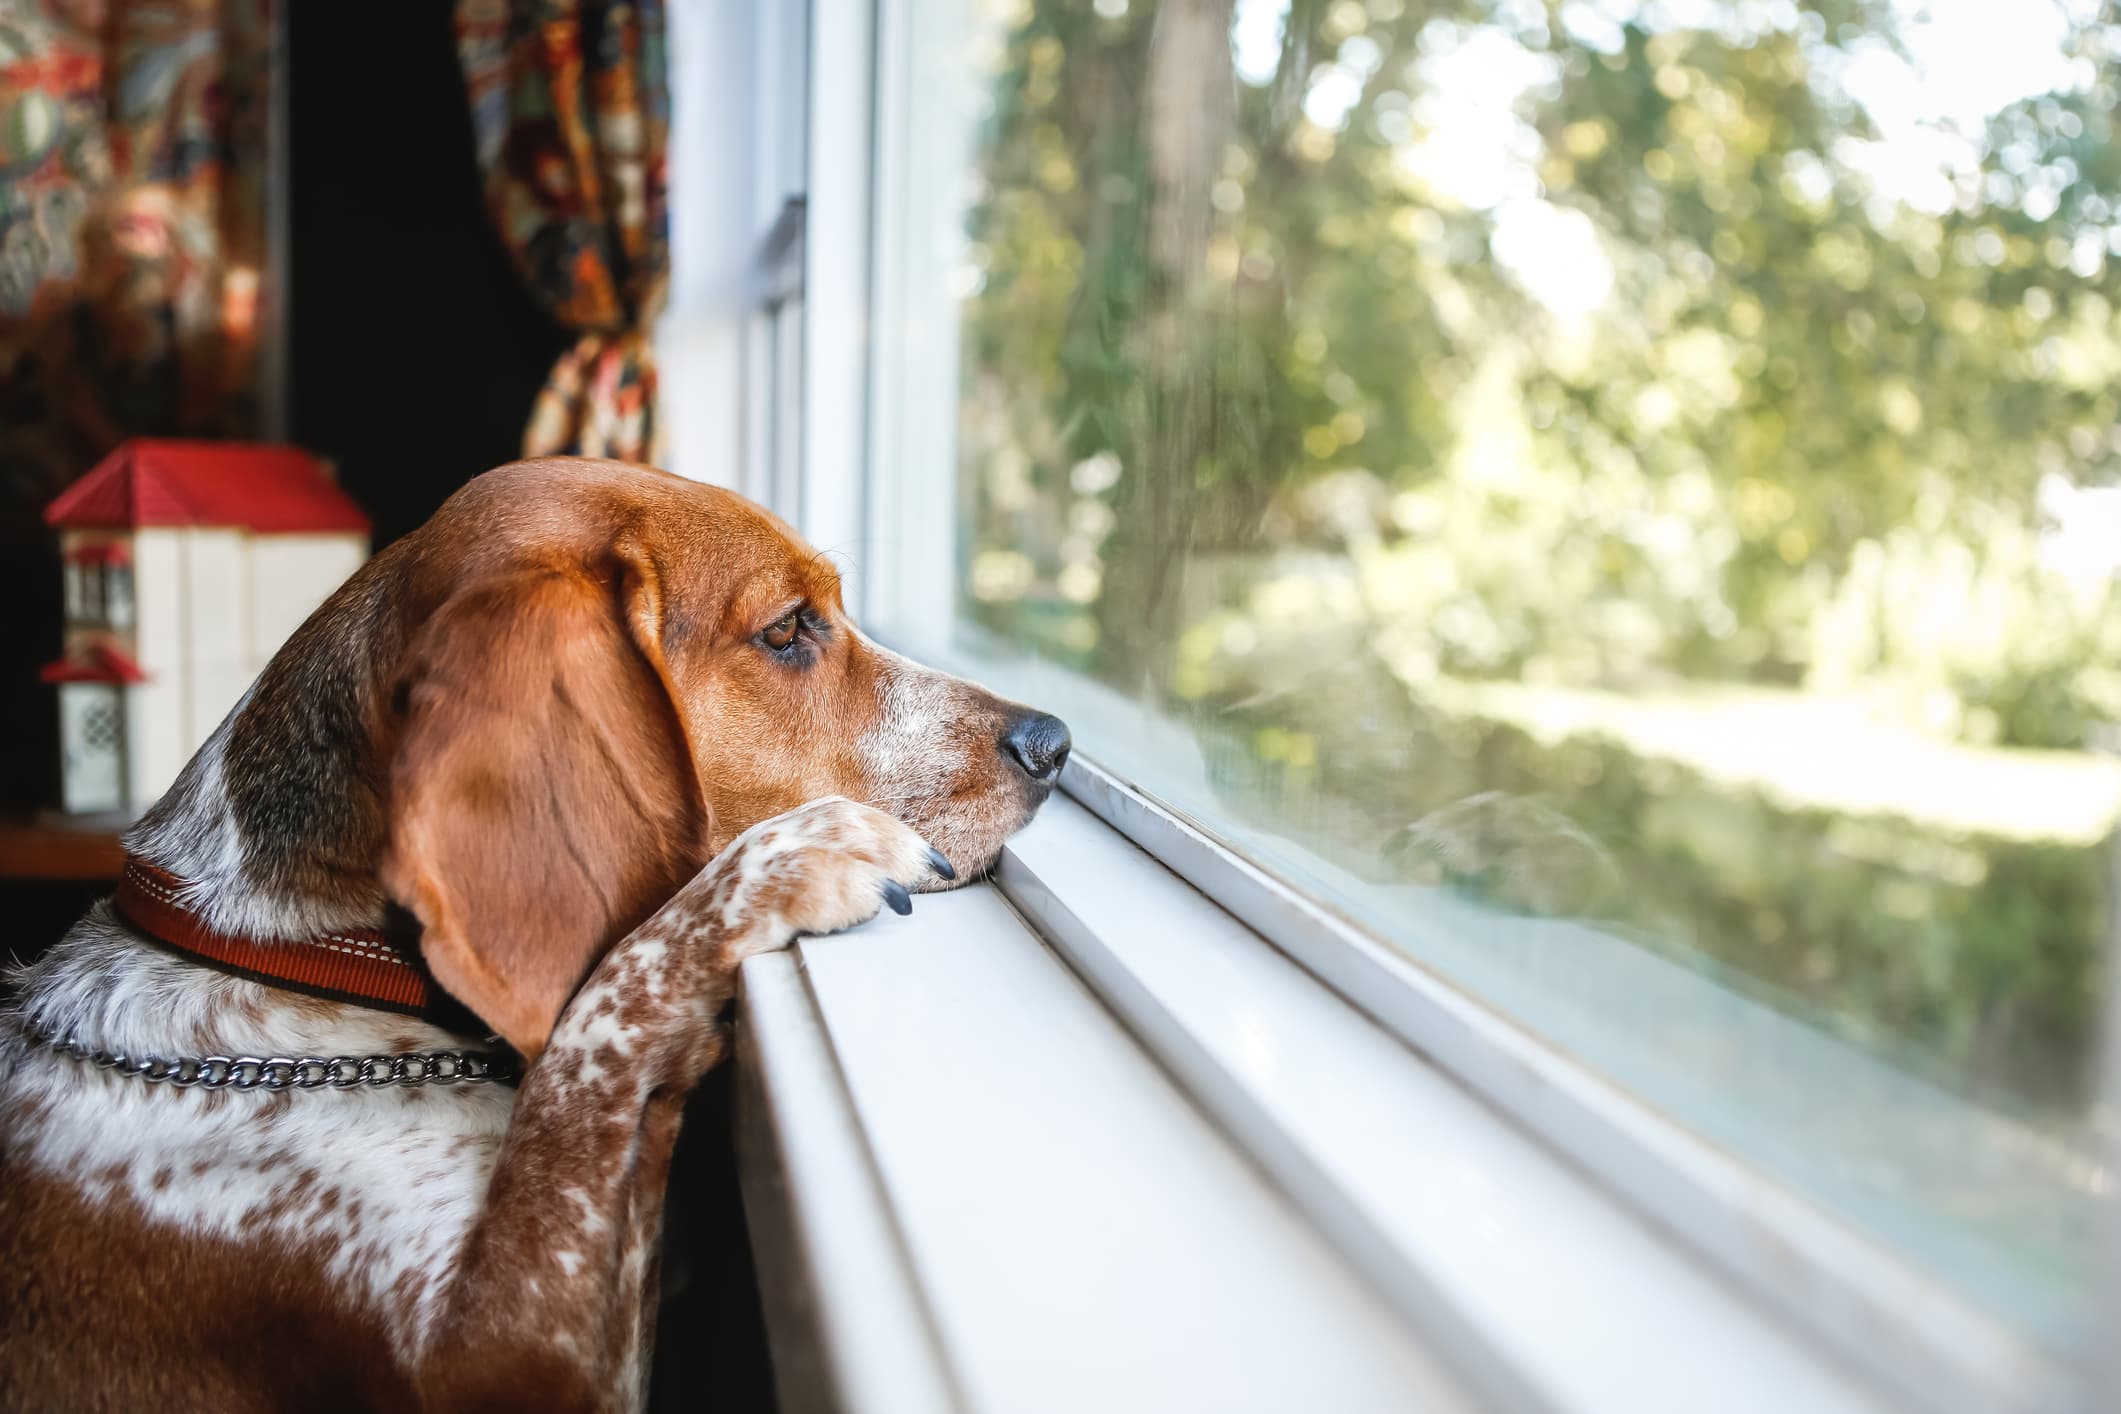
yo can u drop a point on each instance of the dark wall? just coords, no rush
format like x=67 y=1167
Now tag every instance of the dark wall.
x=30 y=610
x=415 y=351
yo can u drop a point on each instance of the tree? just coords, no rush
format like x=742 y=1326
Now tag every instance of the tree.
x=1272 y=425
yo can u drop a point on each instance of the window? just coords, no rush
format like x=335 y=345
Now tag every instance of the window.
x=99 y=587
x=1618 y=499
x=92 y=606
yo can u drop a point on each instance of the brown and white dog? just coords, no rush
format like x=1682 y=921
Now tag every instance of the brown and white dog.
x=604 y=733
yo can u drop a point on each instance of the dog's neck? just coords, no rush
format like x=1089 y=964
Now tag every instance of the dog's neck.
x=246 y=881
x=270 y=849
x=107 y=986
x=274 y=841
x=276 y=825
x=276 y=829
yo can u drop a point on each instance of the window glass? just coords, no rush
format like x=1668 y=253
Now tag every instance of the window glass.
x=118 y=594
x=92 y=610
x=1620 y=497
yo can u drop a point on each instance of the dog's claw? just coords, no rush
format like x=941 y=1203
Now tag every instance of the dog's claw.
x=895 y=894
x=941 y=865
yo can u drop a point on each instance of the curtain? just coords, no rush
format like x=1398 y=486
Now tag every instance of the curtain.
x=133 y=153
x=570 y=107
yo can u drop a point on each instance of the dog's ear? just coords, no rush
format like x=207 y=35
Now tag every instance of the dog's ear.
x=542 y=796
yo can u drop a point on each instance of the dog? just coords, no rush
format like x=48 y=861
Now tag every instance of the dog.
x=546 y=771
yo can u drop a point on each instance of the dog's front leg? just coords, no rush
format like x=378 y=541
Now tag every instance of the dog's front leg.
x=549 y=1305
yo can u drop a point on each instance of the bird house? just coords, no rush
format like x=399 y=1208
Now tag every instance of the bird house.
x=187 y=565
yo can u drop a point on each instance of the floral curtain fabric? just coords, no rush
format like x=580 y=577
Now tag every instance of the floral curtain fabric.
x=570 y=106
x=133 y=153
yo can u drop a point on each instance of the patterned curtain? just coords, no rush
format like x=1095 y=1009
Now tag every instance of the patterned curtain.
x=571 y=110
x=133 y=152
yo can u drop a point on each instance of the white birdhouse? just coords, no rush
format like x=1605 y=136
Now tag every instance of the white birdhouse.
x=187 y=565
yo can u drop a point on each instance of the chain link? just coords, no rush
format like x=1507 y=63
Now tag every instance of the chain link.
x=277 y=1073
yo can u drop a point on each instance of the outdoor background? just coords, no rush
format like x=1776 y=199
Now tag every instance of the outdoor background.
x=1651 y=463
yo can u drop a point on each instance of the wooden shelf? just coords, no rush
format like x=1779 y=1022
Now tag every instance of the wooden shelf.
x=61 y=847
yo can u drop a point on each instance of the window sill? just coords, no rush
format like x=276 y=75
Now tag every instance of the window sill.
x=968 y=1189
x=972 y=1186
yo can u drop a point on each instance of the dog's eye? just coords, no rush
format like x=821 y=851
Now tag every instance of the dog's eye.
x=780 y=634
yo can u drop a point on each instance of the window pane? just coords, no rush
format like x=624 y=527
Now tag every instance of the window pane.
x=119 y=594
x=1622 y=498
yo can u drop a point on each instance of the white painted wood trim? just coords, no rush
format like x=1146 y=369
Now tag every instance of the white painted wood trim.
x=1077 y=1233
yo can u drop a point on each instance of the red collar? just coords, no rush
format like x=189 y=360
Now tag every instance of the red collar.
x=356 y=965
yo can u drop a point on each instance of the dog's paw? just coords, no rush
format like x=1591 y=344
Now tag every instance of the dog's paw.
x=1510 y=851
x=821 y=868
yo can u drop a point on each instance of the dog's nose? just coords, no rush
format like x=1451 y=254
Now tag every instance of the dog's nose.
x=1039 y=743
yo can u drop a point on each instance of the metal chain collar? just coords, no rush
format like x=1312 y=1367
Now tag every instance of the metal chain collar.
x=276 y=1073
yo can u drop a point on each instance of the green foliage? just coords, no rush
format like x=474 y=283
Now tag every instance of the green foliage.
x=1222 y=353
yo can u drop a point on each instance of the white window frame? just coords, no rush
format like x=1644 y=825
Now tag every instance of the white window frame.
x=1767 y=1288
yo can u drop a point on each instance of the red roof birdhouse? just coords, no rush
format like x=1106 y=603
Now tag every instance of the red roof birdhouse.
x=187 y=565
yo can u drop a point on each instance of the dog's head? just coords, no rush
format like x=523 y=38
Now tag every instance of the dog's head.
x=601 y=675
